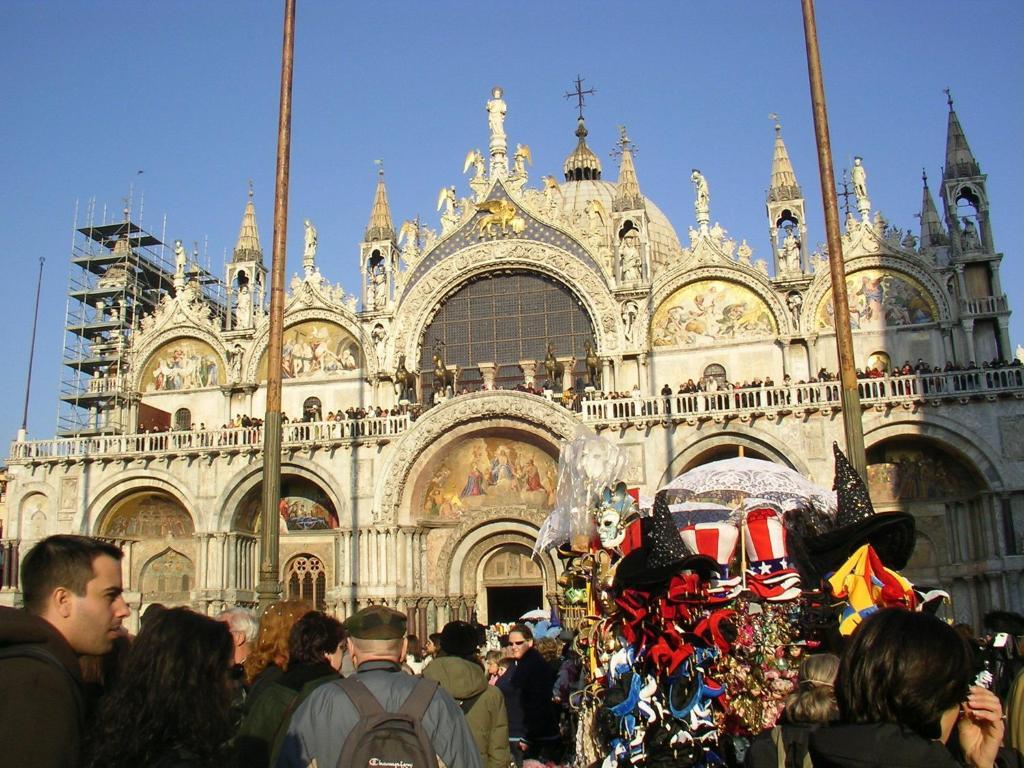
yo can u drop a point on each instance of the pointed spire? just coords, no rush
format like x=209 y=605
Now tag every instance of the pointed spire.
x=582 y=164
x=380 y=226
x=931 y=225
x=960 y=162
x=248 y=246
x=783 y=184
x=627 y=196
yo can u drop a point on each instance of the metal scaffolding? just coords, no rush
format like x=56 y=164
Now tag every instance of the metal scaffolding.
x=118 y=273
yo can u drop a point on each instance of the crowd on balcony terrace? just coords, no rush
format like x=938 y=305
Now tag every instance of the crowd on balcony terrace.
x=949 y=379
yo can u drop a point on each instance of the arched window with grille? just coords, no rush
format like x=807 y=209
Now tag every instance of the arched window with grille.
x=312 y=409
x=182 y=419
x=305 y=578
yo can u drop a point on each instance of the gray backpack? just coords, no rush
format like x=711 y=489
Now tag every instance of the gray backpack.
x=383 y=738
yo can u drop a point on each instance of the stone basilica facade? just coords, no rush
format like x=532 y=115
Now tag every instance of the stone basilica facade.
x=459 y=350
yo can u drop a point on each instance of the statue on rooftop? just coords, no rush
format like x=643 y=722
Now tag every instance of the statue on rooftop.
x=702 y=202
x=496 y=109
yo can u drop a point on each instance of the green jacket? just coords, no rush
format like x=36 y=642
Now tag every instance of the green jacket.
x=262 y=730
x=487 y=718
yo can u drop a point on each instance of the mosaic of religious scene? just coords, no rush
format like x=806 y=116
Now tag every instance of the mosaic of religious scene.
x=303 y=507
x=486 y=472
x=169 y=577
x=314 y=350
x=918 y=474
x=880 y=299
x=148 y=516
x=710 y=311
x=181 y=364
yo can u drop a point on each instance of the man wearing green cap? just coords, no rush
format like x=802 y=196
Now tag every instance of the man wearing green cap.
x=377 y=645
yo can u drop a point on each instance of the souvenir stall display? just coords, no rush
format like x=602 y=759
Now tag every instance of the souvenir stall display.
x=692 y=618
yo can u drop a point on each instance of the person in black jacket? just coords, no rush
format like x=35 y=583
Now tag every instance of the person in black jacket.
x=904 y=684
x=813 y=704
x=530 y=684
x=73 y=606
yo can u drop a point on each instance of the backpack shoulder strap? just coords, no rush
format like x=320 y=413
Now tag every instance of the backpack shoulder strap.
x=416 y=704
x=40 y=653
x=361 y=697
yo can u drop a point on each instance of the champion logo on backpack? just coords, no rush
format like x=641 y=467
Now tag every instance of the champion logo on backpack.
x=388 y=739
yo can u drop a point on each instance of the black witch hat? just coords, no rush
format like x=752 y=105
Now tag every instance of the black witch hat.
x=890 y=534
x=661 y=553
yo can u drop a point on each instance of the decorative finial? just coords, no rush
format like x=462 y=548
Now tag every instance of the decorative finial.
x=924 y=176
x=949 y=98
x=380 y=167
x=778 y=126
x=580 y=93
x=623 y=143
x=250 y=189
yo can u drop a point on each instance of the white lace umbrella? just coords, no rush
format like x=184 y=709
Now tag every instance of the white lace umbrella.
x=751 y=479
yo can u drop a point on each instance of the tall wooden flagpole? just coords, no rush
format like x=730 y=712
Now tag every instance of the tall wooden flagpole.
x=270 y=583
x=853 y=427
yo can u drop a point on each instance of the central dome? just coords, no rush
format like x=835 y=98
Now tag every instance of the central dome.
x=665 y=247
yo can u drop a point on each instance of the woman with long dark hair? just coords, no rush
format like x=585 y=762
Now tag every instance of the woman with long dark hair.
x=170 y=705
x=904 y=685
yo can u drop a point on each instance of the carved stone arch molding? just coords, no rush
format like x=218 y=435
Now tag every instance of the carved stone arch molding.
x=340 y=317
x=477 y=536
x=823 y=284
x=751 y=438
x=759 y=285
x=510 y=411
x=953 y=437
x=150 y=345
x=229 y=502
x=138 y=481
x=419 y=305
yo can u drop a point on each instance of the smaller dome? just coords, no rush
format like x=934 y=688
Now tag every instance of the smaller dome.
x=582 y=164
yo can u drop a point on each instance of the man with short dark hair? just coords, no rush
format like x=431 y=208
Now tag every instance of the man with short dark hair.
x=377 y=643
x=71 y=587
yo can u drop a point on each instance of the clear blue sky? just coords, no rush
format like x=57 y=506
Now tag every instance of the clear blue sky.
x=188 y=93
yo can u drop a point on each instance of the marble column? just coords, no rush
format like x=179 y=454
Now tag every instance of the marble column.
x=487 y=371
x=529 y=371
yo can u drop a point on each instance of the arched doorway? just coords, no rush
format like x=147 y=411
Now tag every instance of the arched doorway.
x=512 y=584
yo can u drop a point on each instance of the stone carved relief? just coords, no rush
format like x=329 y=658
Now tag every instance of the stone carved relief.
x=440 y=420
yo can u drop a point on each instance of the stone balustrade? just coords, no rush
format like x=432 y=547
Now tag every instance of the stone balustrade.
x=958 y=386
x=748 y=401
x=986 y=305
x=235 y=439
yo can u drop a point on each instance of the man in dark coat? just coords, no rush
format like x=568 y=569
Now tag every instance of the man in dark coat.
x=530 y=686
x=73 y=606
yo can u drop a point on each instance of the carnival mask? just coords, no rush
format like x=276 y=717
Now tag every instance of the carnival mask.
x=610 y=529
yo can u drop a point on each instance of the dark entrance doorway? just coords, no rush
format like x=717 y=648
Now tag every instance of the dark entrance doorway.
x=507 y=604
